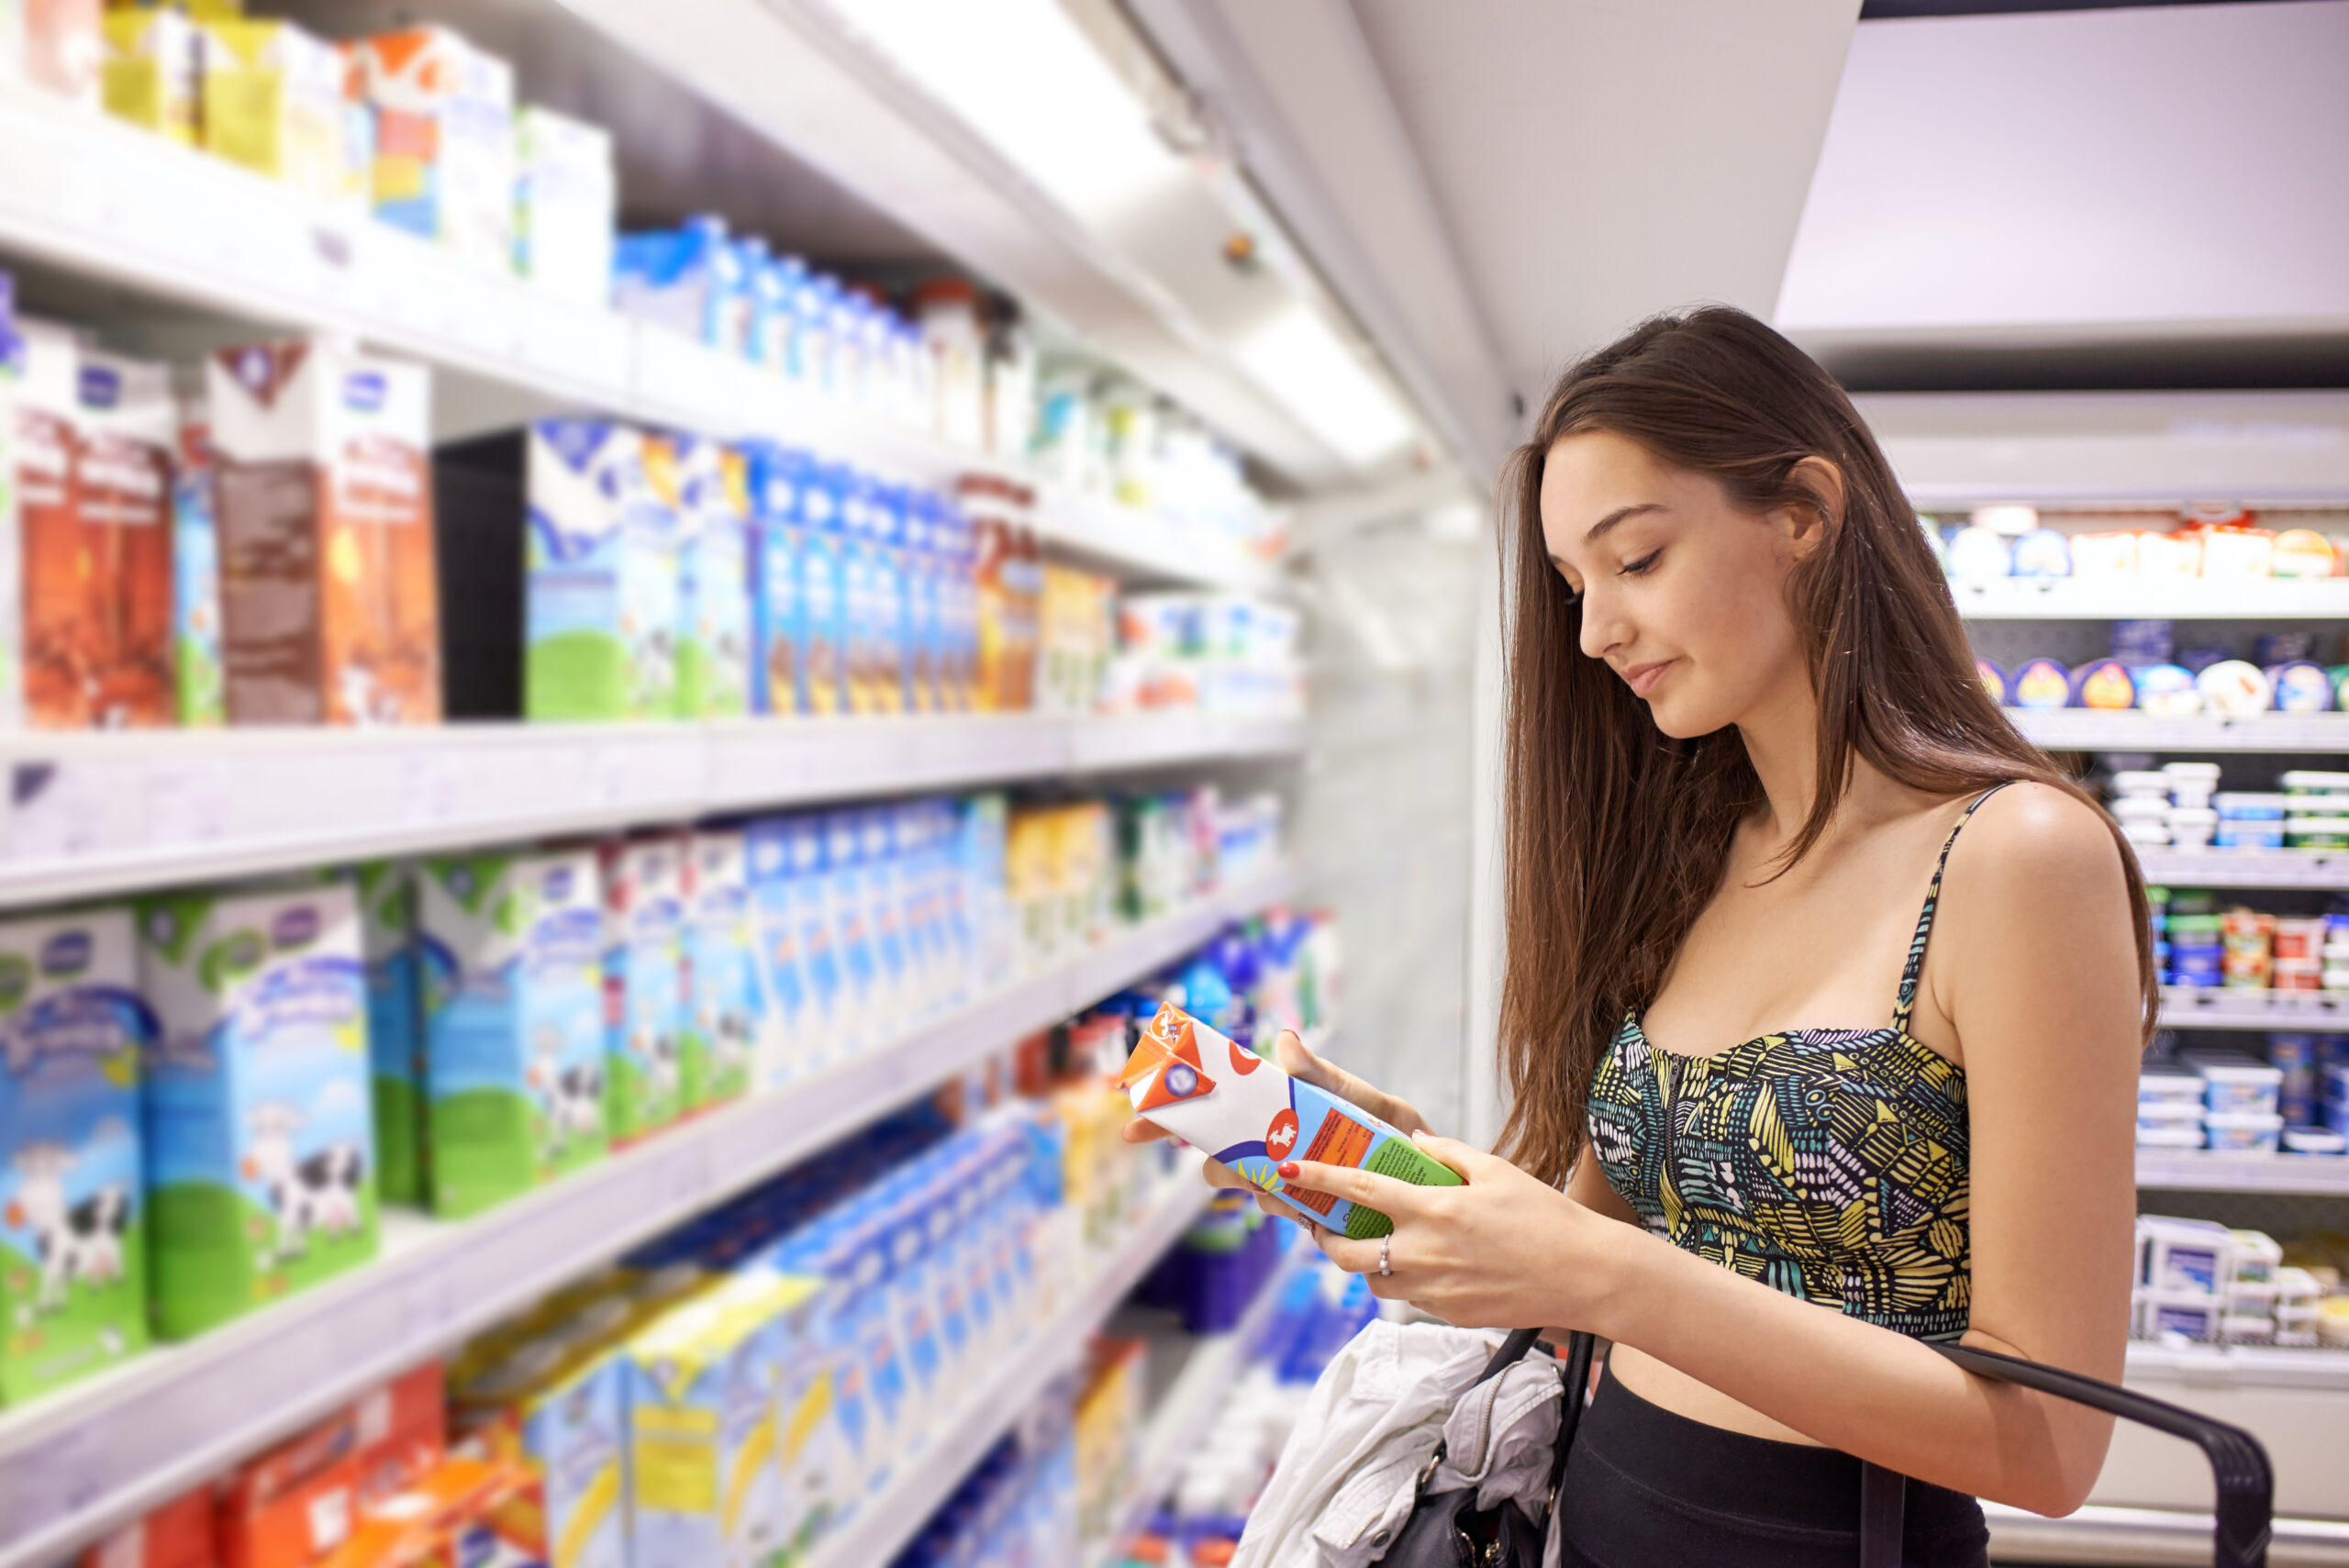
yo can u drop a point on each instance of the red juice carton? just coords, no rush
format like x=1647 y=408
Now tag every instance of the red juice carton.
x=1246 y=1112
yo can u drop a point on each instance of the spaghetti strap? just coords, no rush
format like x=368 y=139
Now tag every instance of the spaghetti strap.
x=1907 y=1001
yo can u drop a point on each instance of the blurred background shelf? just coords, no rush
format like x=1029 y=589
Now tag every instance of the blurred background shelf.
x=2184 y=598
x=2081 y=730
x=2246 y=868
x=2312 y=1176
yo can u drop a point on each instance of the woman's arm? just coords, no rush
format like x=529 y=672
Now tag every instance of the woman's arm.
x=2034 y=954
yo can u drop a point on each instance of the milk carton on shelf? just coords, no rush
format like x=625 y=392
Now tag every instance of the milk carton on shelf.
x=855 y=1016
x=777 y=479
x=386 y=892
x=153 y=74
x=557 y=1406
x=510 y=946
x=713 y=583
x=444 y=150
x=273 y=101
x=644 y=1003
x=323 y=497
x=197 y=666
x=72 y=1204
x=723 y=998
x=601 y=590
x=262 y=1165
x=1246 y=1112
x=704 y=1408
x=783 y=1011
x=566 y=196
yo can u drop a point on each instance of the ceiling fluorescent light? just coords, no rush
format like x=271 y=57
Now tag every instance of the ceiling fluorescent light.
x=1324 y=385
x=1022 y=75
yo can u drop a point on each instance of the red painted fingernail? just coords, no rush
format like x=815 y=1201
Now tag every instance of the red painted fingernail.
x=1288 y=1170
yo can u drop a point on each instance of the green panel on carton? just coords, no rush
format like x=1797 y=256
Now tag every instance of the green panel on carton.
x=482 y=1152
x=400 y=1177
x=95 y=1326
x=576 y=675
x=209 y=1247
x=1403 y=1161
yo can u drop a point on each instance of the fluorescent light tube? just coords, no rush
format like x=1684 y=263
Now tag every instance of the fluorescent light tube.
x=1324 y=384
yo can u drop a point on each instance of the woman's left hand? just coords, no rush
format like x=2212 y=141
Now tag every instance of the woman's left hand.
x=1504 y=1252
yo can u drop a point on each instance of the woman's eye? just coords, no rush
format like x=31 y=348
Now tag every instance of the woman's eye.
x=1642 y=566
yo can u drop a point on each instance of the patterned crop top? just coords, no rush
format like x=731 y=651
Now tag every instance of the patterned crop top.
x=1828 y=1163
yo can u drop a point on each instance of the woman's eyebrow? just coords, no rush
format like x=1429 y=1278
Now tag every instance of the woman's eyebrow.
x=1619 y=514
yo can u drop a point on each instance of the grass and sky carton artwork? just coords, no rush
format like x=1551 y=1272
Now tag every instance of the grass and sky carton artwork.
x=600 y=575
x=261 y=1142
x=1246 y=1112
x=644 y=999
x=511 y=962
x=713 y=577
x=72 y=1206
x=394 y=1026
x=723 y=993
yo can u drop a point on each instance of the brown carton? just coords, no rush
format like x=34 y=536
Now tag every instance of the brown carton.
x=328 y=594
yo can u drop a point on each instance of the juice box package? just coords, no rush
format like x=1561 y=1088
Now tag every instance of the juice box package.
x=386 y=892
x=565 y=196
x=197 y=668
x=777 y=478
x=558 y=1407
x=114 y=614
x=261 y=1143
x=857 y=1010
x=789 y=961
x=273 y=101
x=723 y=995
x=293 y=1503
x=1246 y=1112
x=176 y=1535
x=705 y=1412
x=511 y=954
x=153 y=74
x=323 y=495
x=601 y=587
x=713 y=584
x=644 y=1001
x=72 y=1204
x=823 y=575
x=443 y=141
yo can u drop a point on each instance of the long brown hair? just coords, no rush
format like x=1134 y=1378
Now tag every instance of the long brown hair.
x=1616 y=837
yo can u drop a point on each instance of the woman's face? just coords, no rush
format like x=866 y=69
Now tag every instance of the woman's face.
x=1683 y=595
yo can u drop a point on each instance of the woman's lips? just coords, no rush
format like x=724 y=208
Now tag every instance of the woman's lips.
x=1641 y=678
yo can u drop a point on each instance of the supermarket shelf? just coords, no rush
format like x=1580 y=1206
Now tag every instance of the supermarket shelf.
x=2246 y=868
x=2216 y=1007
x=2186 y=1170
x=2183 y=599
x=1188 y=1409
x=2238 y=1366
x=2082 y=729
x=94 y=813
x=109 y=201
x=885 y=1525
x=86 y=1460
x=2153 y=1537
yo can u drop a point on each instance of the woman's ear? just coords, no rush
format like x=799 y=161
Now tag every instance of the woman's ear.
x=1808 y=526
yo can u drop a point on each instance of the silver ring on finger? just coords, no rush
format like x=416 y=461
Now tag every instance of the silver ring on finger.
x=1385 y=1263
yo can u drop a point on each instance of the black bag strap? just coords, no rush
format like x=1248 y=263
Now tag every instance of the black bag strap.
x=2246 y=1483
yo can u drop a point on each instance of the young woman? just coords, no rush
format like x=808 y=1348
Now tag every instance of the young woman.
x=1823 y=1000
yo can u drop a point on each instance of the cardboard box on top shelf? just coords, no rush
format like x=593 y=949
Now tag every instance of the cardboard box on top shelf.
x=328 y=592
x=177 y=1535
x=275 y=101
x=444 y=152
x=566 y=199
x=56 y=45
x=154 y=71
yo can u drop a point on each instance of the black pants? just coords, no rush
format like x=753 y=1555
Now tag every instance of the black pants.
x=1646 y=1488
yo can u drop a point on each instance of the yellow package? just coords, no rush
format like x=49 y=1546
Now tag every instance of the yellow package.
x=273 y=101
x=559 y=1409
x=153 y=74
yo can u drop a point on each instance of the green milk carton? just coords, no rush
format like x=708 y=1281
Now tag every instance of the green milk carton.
x=600 y=590
x=644 y=1000
x=510 y=954
x=723 y=997
x=73 y=1206
x=260 y=1139
x=394 y=1026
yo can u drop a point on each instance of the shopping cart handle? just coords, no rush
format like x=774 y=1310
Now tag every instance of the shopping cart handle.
x=2246 y=1502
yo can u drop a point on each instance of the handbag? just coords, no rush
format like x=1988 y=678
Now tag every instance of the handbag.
x=2246 y=1483
x=1446 y=1529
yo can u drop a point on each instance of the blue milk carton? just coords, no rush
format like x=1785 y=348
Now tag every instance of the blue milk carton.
x=725 y=999
x=685 y=278
x=824 y=1034
x=394 y=1026
x=781 y=1012
x=890 y=1435
x=777 y=477
x=511 y=960
x=644 y=1001
x=73 y=1202
x=824 y=577
x=261 y=1141
x=600 y=575
x=713 y=581
x=846 y=899
x=807 y=1455
x=884 y=917
x=558 y=1405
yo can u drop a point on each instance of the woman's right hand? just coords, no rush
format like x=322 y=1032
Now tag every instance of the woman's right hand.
x=1290 y=1053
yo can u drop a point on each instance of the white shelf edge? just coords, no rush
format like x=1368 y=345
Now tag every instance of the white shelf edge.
x=2246 y=868
x=2312 y=1176
x=96 y=195
x=90 y=1458
x=2151 y=1537
x=2236 y=1366
x=120 y=812
x=1188 y=1406
x=883 y=1525
x=2184 y=598
x=2081 y=730
x=2216 y=1007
